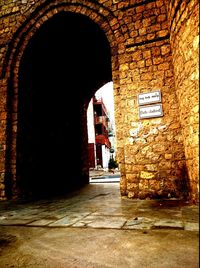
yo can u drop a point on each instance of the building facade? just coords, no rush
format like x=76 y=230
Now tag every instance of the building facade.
x=99 y=144
x=57 y=53
x=91 y=136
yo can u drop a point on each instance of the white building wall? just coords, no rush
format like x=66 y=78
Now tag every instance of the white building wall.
x=106 y=93
x=90 y=127
x=90 y=123
x=105 y=156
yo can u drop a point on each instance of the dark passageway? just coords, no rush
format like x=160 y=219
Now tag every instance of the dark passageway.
x=65 y=62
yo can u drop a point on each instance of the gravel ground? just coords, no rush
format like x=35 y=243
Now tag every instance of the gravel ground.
x=23 y=247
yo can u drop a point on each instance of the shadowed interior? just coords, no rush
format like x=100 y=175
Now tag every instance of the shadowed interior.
x=65 y=62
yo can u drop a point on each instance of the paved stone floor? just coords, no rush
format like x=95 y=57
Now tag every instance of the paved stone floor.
x=102 y=172
x=100 y=206
x=96 y=222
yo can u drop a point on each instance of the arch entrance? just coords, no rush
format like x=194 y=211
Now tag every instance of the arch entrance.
x=64 y=63
x=157 y=156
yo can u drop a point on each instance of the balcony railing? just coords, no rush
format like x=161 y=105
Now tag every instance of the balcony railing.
x=101 y=139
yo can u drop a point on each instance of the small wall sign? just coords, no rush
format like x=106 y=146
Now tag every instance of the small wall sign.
x=151 y=111
x=150 y=97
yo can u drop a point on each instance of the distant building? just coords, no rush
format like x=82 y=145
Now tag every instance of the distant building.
x=100 y=133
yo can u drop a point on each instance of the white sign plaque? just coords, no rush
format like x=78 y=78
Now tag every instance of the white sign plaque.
x=150 y=97
x=151 y=111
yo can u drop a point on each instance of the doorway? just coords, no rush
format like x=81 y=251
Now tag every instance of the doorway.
x=63 y=65
x=103 y=166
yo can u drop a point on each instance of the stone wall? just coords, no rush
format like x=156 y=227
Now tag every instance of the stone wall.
x=3 y=117
x=184 y=21
x=152 y=157
x=158 y=157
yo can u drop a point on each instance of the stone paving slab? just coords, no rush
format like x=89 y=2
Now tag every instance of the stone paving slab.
x=191 y=226
x=139 y=223
x=107 y=222
x=101 y=206
x=168 y=223
x=157 y=214
x=69 y=220
x=14 y=222
x=106 y=211
x=40 y=223
x=190 y=214
x=104 y=180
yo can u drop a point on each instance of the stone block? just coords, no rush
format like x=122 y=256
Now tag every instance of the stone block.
x=151 y=167
x=151 y=36
x=161 y=18
x=163 y=66
x=146 y=76
x=132 y=194
x=162 y=33
x=148 y=62
x=146 y=54
x=132 y=186
x=165 y=49
x=140 y=63
x=154 y=186
x=147 y=175
x=168 y=156
x=158 y=60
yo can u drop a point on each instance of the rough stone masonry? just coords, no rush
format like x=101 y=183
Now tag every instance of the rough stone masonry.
x=154 y=47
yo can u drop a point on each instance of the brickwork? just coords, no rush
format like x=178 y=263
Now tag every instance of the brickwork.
x=158 y=157
x=3 y=117
x=185 y=46
x=153 y=160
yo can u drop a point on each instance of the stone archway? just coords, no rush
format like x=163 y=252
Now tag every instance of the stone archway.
x=21 y=162
x=158 y=157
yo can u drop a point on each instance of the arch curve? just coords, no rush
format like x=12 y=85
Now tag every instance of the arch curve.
x=18 y=47
x=99 y=14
